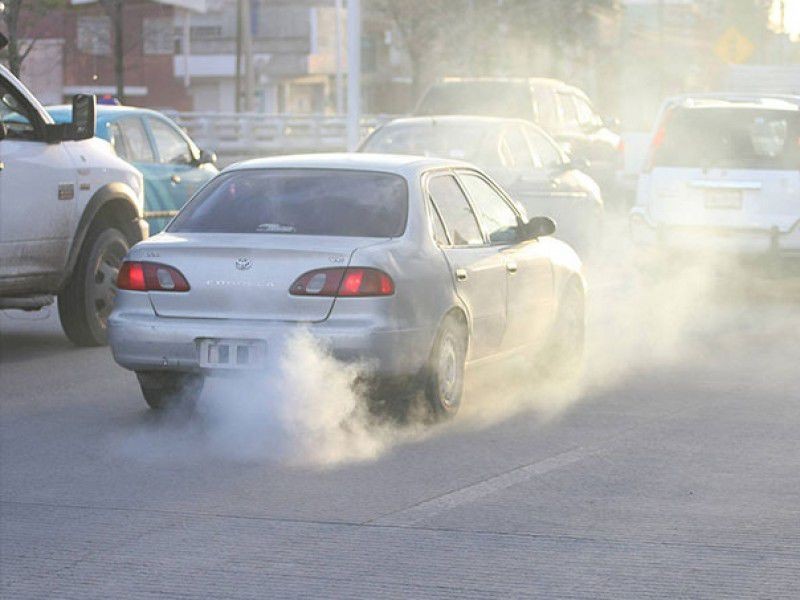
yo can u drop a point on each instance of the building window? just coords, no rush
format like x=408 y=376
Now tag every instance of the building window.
x=158 y=36
x=94 y=35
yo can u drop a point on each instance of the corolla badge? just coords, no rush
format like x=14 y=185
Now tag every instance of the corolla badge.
x=244 y=264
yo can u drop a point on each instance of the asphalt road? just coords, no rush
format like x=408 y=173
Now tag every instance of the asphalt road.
x=672 y=471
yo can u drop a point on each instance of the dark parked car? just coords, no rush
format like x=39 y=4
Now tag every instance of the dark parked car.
x=520 y=156
x=564 y=111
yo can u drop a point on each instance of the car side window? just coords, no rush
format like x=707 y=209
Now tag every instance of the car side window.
x=437 y=227
x=519 y=152
x=135 y=140
x=585 y=113
x=16 y=115
x=456 y=212
x=495 y=215
x=545 y=149
x=546 y=107
x=171 y=146
x=569 y=114
x=117 y=139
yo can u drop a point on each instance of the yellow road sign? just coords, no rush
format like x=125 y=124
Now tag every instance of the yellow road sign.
x=734 y=47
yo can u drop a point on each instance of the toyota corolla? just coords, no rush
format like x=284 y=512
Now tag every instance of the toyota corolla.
x=423 y=267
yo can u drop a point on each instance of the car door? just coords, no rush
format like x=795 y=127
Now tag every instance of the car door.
x=530 y=299
x=478 y=268
x=175 y=173
x=37 y=192
x=132 y=143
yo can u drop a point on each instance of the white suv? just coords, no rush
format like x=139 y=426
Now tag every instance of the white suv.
x=69 y=211
x=723 y=175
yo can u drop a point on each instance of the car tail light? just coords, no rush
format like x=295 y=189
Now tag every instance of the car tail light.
x=347 y=282
x=658 y=141
x=150 y=277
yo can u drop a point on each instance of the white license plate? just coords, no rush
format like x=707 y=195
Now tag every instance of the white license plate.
x=723 y=199
x=232 y=354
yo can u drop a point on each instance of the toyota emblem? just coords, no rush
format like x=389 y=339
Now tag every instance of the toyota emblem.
x=244 y=264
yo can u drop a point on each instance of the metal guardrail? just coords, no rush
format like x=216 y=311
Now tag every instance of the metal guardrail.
x=240 y=135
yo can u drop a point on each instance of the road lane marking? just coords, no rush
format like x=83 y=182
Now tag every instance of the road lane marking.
x=429 y=508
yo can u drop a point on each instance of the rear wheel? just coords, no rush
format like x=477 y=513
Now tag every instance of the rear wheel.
x=162 y=390
x=445 y=383
x=86 y=301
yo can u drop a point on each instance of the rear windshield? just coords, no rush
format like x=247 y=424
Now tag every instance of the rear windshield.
x=299 y=201
x=732 y=138
x=484 y=98
x=441 y=139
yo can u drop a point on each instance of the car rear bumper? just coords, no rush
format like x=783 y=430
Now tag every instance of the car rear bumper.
x=746 y=243
x=148 y=342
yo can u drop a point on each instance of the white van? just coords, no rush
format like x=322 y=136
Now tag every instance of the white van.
x=722 y=175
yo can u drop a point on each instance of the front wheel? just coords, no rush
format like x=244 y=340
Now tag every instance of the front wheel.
x=86 y=301
x=164 y=389
x=569 y=336
x=445 y=384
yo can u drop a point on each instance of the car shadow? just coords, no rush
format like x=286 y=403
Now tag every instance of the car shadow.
x=29 y=336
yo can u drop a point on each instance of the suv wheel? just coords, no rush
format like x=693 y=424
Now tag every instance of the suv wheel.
x=165 y=389
x=86 y=301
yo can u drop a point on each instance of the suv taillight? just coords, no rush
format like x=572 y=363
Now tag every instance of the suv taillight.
x=343 y=282
x=150 y=277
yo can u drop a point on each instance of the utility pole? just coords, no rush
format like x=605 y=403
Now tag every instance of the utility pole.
x=338 y=58
x=353 y=73
x=239 y=28
x=247 y=43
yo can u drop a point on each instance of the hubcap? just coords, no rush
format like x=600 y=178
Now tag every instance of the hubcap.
x=448 y=372
x=103 y=285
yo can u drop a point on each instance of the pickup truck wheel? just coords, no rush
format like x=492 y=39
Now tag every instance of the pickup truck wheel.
x=86 y=301
x=165 y=389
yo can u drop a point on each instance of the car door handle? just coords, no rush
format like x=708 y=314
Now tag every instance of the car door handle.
x=176 y=179
x=461 y=274
x=511 y=267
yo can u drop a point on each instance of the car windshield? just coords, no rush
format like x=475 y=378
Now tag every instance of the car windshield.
x=434 y=138
x=730 y=138
x=485 y=98
x=299 y=201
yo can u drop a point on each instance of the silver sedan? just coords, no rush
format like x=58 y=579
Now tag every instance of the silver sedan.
x=423 y=266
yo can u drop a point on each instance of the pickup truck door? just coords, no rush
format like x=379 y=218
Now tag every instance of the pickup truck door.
x=37 y=192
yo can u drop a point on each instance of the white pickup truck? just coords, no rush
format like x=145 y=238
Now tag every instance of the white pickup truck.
x=69 y=211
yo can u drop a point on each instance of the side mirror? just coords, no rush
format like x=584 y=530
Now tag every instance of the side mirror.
x=207 y=158
x=82 y=126
x=538 y=227
x=612 y=122
x=577 y=163
x=84 y=117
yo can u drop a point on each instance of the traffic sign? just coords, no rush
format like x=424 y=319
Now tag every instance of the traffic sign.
x=734 y=47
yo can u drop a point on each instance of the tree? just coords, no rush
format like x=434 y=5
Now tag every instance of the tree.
x=23 y=20
x=114 y=9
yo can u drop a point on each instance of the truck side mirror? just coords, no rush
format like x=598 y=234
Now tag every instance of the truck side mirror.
x=84 y=117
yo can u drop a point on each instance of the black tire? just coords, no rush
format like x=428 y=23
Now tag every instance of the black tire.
x=567 y=349
x=444 y=386
x=86 y=301
x=166 y=389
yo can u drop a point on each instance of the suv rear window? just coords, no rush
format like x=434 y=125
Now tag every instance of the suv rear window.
x=731 y=138
x=299 y=201
x=480 y=98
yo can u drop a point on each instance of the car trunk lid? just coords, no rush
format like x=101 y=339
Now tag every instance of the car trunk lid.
x=247 y=276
